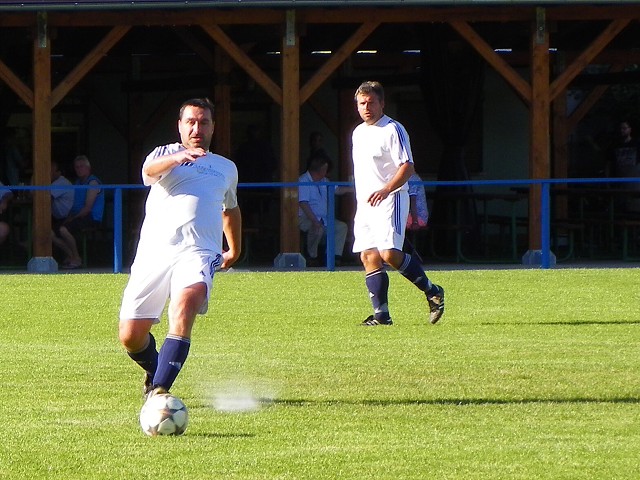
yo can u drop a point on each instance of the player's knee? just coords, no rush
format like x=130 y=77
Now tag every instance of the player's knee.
x=371 y=259
x=392 y=257
x=133 y=335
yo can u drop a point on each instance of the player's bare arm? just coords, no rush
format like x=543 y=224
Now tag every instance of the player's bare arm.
x=232 y=227
x=400 y=178
x=155 y=169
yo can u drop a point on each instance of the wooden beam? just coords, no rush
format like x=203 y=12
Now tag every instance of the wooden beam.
x=15 y=84
x=580 y=12
x=539 y=159
x=244 y=61
x=159 y=114
x=519 y=84
x=336 y=60
x=42 y=141
x=105 y=106
x=136 y=119
x=560 y=149
x=327 y=117
x=166 y=17
x=290 y=146
x=584 y=59
x=348 y=119
x=90 y=61
x=197 y=46
x=589 y=101
x=222 y=99
x=261 y=16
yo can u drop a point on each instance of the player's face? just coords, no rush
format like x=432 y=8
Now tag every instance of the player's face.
x=370 y=108
x=196 y=127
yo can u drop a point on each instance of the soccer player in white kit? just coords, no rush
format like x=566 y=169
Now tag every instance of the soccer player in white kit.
x=382 y=165
x=191 y=204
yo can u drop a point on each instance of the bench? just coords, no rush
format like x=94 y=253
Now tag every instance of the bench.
x=247 y=234
x=458 y=229
x=569 y=228
x=628 y=226
x=509 y=224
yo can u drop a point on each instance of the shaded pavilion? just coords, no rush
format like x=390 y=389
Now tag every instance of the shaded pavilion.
x=552 y=45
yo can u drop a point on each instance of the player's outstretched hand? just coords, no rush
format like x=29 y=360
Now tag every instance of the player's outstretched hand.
x=192 y=154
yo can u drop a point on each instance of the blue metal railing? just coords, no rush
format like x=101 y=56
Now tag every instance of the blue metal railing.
x=545 y=184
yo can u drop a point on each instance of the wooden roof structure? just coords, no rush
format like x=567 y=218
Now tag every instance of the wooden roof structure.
x=586 y=32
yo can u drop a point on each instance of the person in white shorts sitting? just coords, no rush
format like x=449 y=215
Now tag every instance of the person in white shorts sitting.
x=313 y=212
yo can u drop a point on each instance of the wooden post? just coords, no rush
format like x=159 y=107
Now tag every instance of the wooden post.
x=560 y=151
x=222 y=100
x=290 y=148
x=347 y=121
x=42 y=138
x=539 y=161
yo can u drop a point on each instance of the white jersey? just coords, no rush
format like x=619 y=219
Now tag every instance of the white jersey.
x=378 y=151
x=184 y=207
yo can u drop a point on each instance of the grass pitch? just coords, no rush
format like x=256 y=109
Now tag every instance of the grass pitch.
x=531 y=374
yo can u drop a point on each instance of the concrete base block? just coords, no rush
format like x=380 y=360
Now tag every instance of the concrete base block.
x=534 y=258
x=290 y=261
x=42 y=265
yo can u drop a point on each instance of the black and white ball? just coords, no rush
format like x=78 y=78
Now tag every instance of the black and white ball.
x=164 y=414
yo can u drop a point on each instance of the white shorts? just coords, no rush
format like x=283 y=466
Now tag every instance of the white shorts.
x=381 y=227
x=156 y=278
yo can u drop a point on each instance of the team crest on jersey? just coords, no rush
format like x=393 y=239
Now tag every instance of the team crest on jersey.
x=207 y=170
x=203 y=169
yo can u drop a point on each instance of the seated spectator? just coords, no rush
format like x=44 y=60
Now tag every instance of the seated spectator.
x=312 y=214
x=418 y=209
x=61 y=198
x=624 y=161
x=5 y=197
x=87 y=210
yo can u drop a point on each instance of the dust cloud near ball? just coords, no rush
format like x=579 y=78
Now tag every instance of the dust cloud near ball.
x=241 y=396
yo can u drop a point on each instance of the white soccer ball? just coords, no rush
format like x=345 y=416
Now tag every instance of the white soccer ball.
x=164 y=414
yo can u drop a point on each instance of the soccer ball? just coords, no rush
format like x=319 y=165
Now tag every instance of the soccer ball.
x=164 y=414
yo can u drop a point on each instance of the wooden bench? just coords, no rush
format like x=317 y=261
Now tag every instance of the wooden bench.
x=247 y=235
x=569 y=227
x=100 y=234
x=629 y=226
x=458 y=229
x=510 y=224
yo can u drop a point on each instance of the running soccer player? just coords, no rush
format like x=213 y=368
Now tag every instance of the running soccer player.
x=191 y=204
x=382 y=165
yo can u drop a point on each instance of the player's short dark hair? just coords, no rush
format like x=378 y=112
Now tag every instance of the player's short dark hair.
x=369 y=87
x=204 y=103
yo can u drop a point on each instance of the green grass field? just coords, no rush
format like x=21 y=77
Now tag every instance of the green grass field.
x=531 y=374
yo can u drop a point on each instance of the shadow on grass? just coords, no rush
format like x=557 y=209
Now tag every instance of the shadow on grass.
x=576 y=323
x=222 y=435
x=454 y=401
